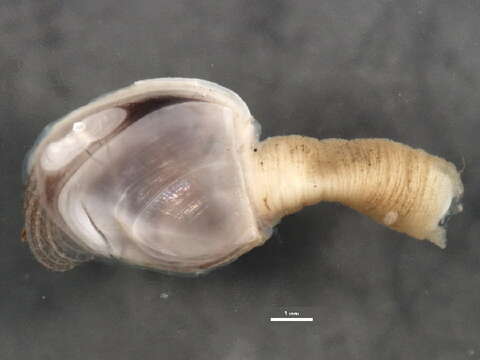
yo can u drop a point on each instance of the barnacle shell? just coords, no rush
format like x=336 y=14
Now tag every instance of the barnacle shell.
x=169 y=174
x=150 y=174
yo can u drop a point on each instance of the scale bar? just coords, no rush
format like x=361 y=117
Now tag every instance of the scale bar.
x=291 y=319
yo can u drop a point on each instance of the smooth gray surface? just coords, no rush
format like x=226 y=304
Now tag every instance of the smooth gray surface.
x=406 y=70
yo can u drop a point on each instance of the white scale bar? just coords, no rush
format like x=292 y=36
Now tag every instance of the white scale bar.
x=291 y=319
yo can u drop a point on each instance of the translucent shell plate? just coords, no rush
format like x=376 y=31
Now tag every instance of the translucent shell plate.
x=151 y=175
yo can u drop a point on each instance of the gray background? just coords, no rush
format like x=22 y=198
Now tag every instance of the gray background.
x=406 y=70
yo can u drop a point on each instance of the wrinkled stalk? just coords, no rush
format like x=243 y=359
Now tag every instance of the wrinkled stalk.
x=406 y=189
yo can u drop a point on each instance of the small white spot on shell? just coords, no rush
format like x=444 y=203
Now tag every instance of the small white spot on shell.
x=79 y=126
x=164 y=295
x=390 y=218
x=90 y=129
